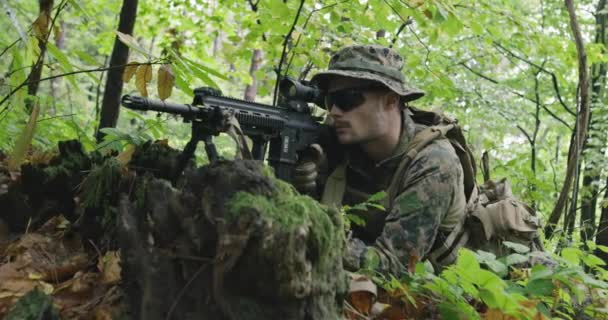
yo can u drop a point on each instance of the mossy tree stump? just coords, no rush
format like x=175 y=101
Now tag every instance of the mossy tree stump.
x=232 y=243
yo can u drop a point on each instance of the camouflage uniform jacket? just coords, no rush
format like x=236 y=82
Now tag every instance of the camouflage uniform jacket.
x=429 y=204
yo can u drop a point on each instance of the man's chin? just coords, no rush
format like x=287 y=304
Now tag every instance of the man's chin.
x=346 y=139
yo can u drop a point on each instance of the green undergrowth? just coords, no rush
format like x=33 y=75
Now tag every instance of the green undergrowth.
x=573 y=286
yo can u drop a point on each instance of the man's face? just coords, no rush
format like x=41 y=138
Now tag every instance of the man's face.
x=365 y=122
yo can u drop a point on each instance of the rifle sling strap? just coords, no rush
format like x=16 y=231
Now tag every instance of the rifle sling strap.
x=236 y=133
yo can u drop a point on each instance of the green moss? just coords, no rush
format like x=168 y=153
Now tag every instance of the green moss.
x=291 y=210
x=101 y=182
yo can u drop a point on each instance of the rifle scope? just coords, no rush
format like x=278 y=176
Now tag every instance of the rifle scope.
x=293 y=89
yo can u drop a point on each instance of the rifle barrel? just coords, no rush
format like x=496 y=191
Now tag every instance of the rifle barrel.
x=141 y=103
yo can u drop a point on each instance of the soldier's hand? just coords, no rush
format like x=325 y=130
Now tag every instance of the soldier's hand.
x=307 y=170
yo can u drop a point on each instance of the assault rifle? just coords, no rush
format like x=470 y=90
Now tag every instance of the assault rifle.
x=288 y=129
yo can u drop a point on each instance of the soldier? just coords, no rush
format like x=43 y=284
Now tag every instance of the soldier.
x=366 y=97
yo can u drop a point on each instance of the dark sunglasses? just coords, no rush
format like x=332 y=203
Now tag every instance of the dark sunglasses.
x=349 y=98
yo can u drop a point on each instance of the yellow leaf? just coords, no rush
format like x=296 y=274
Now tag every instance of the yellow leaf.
x=148 y=73
x=125 y=156
x=165 y=82
x=41 y=26
x=34 y=276
x=129 y=71
x=24 y=141
x=142 y=77
x=47 y=288
x=57 y=32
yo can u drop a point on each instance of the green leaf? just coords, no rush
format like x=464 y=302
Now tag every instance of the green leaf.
x=452 y=25
x=130 y=42
x=602 y=248
x=59 y=56
x=515 y=258
x=487 y=279
x=476 y=27
x=376 y=206
x=355 y=219
x=489 y=259
x=206 y=69
x=467 y=263
x=489 y=296
x=85 y=57
x=594 y=282
x=593 y=260
x=76 y=4
x=540 y=287
x=519 y=248
x=198 y=73
x=540 y=272
x=572 y=255
x=64 y=62
x=377 y=196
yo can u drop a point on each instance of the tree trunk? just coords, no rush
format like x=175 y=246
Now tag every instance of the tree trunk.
x=110 y=105
x=602 y=230
x=582 y=120
x=46 y=6
x=592 y=151
x=252 y=89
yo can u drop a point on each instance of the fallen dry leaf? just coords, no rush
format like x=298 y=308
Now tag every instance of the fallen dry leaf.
x=109 y=266
x=54 y=258
x=362 y=301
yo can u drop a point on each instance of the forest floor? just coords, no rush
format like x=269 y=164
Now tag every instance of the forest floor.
x=41 y=251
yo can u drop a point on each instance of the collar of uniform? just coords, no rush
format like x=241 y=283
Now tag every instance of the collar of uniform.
x=357 y=159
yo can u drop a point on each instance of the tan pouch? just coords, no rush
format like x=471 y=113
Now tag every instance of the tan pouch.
x=508 y=218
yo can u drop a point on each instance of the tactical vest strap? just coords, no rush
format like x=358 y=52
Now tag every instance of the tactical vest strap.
x=335 y=187
x=446 y=253
x=418 y=142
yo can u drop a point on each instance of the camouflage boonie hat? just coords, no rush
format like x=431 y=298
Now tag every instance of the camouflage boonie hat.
x=371 y=62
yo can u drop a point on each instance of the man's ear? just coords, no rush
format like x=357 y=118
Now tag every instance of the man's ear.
x=391 y=100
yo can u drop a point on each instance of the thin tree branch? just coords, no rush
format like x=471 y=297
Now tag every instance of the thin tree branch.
x=409 y=21
x=9 y=46
x=405 y=23
x=428 y=51
x=25 y=83
x=479 y=74
x=56 y=117
x=530 y=140
x=284 y=53
x=304 y=28
x=543 y=69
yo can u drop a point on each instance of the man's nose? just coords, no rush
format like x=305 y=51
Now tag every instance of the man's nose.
x=335 y=111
